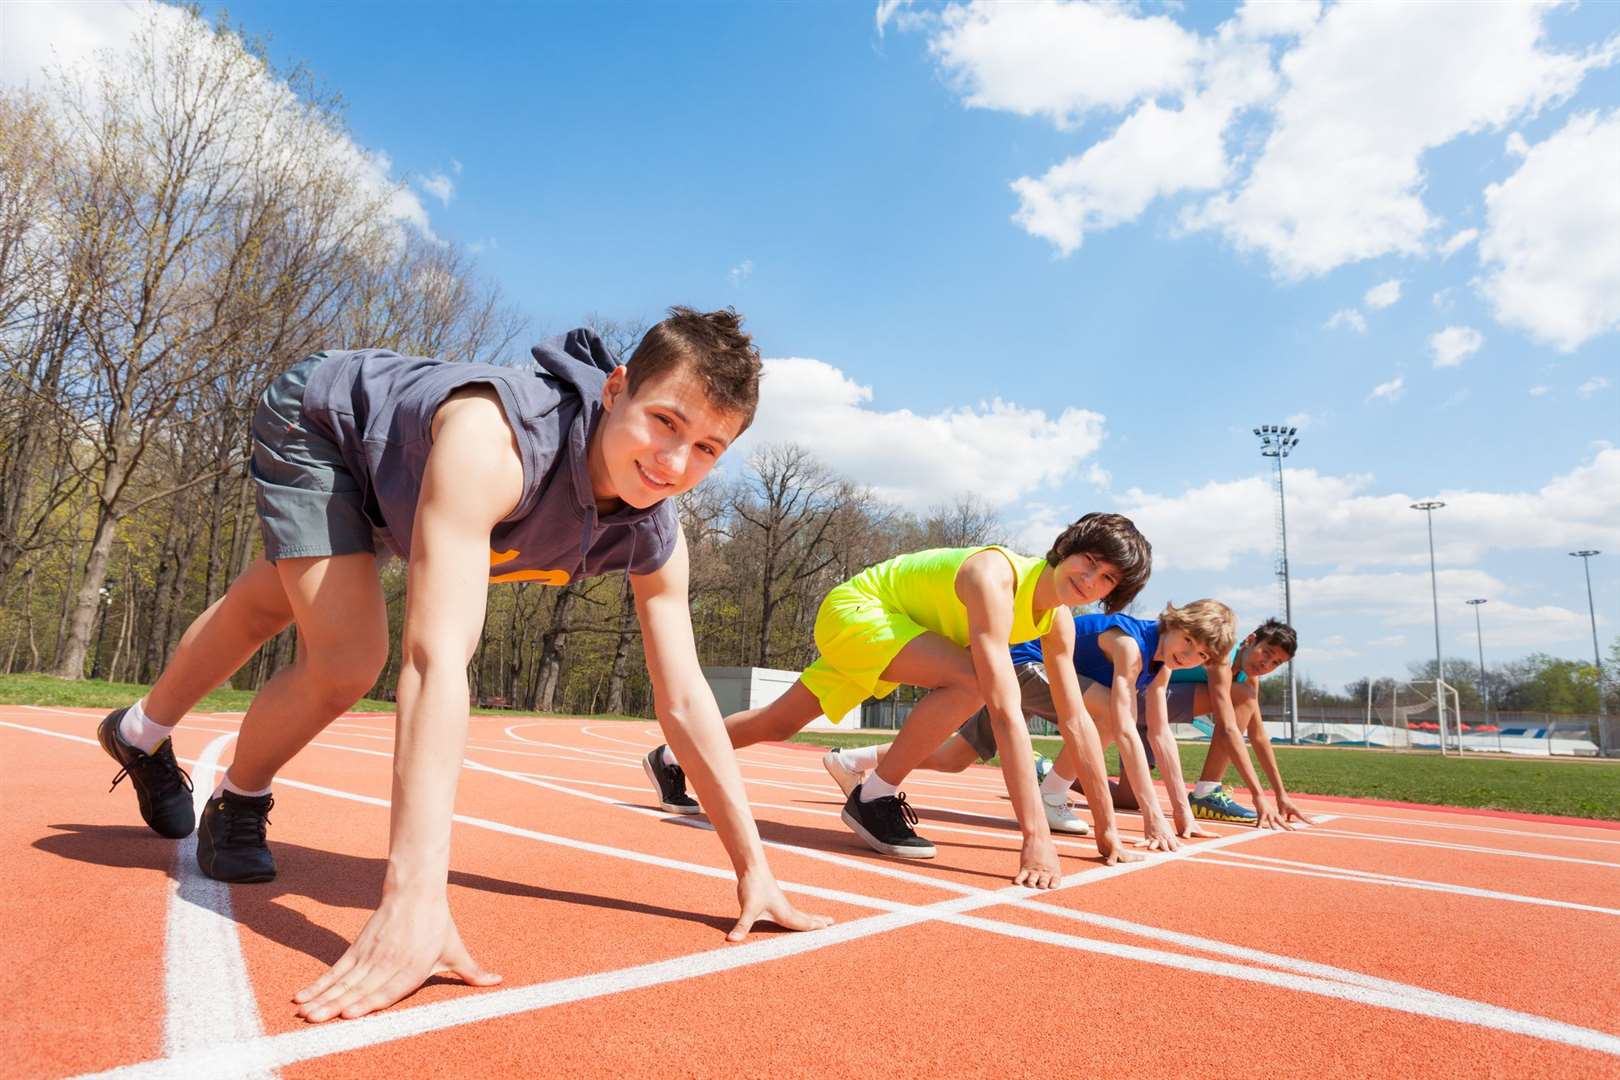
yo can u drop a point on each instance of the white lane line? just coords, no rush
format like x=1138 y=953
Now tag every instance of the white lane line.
x=1422 y=1002
x=1487 y=828
x=209 y=998
x=1393 y=881
x=1412 y=841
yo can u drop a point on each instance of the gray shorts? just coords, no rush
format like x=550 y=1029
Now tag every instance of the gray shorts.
x=1035 y=692
x=309 y=503
x=1036 y=695
x=1178 y=701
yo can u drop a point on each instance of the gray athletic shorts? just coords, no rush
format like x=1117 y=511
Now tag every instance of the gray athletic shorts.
x=1036 y=694
x=309 y=503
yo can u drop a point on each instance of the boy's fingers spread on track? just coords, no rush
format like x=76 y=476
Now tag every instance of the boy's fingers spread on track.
x=320 y=985
x=740 y=931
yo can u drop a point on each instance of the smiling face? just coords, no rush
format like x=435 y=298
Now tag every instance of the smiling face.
x=1083 y=579
x=1261 y=660
x=1179 y=649
x=660 y=441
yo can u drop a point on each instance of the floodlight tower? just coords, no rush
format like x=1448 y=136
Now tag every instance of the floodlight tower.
x=1277 y=442
x=1591 y=611
x=1479 y=639
x=1429 y=506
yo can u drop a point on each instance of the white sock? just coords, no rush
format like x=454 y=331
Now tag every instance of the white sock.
x=1056 y=784
x=860 y=758
x=875 y=787
x=669 y=756
x=140 y=730
x=1204 y=787
x=226 y=785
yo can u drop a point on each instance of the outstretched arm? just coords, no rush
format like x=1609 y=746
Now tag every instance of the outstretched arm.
x=1164 y=745
x=1261 y=741
x=411 y=935
x=985 y=585
x=694 y=730
x=1227 y=730
x=1126 y=658
x=1080 y=732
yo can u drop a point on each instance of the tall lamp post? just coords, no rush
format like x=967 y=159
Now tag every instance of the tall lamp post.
x=1479 y=639
x=1277 y=442
x=1597 y=658
x=1429 y=506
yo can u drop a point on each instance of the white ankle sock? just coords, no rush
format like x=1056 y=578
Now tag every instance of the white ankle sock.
x=875 y=787
x=226 y=785
x=140 y=730
x=1204 y=787
x=1056 y=784
x=860 y=758
x=668 y=756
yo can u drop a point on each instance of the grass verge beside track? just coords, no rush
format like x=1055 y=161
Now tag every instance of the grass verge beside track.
x=1575 y=787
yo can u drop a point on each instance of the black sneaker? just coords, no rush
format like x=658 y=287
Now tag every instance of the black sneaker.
x=230 y=838
x=885 y=824
x=161 y=786
x=669 y=782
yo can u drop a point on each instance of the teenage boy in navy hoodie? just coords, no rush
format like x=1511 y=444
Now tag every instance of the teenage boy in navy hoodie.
x=472 y=473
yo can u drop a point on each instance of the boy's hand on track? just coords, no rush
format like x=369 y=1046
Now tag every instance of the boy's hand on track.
x=762 y=898
x=402 y=945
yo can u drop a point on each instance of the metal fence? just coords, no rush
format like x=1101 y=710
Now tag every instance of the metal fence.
x=1512 y=733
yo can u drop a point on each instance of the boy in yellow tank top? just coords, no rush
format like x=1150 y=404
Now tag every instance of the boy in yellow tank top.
x=943 y=619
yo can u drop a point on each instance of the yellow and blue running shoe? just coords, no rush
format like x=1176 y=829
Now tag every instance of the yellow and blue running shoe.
x=1220 y=806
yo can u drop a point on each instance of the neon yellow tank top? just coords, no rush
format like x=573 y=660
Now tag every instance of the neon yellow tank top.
x=922 y=585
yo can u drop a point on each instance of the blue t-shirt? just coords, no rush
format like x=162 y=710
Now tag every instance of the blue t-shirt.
x=1200 y=675
x=1089 y=659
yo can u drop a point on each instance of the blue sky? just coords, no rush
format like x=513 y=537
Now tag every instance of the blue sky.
x=1066 y=257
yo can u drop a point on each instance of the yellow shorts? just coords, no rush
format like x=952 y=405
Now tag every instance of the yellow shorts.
x=858 y=637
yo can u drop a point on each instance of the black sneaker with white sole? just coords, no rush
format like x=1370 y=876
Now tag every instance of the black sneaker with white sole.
x=162 y=787
x=669 y=783
x=885 y=824
x=231 y=843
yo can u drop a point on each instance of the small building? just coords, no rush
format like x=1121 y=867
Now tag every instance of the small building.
x=739 y=688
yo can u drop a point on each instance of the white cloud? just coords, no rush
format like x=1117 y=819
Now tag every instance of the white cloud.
x=438 y=185
x=1341 y=522
x=1516 y=144
x=1383 y=295
x=1301 y=420
x=455 y=166
x=996 y=449
x=1552 y=237
x=1540 y=391
x=1444 y=298
x=1454 y=344
x=1277 y=18
x=1592 y=386
x=1389 y=391
x=1457 y=241
x=1060 y=61
x=741 y=272
x=478 y=247
x=1371 y=87
x=1350 y=317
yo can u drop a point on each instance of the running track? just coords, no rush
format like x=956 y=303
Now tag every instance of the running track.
x=1381 y=942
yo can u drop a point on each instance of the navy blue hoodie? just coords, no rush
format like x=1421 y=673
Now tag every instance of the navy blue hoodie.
x=378 y=407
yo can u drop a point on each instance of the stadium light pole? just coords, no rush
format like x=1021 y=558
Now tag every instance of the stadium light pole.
x=1277 y=442
x=1479 y=639
x=1591 y=611
x=1429 y=506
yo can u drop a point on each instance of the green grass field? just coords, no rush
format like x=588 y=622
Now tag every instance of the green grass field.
x=1568 y=787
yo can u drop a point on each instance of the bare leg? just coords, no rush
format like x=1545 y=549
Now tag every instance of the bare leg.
x=343 y=637
x=954 y=755
x=781 y=719
x=1219 y=757
x=219 y=641
x=947 y=669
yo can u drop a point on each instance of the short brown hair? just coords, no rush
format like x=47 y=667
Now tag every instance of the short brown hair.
x=1278 y=633
x=1113 y=538
x=712 y=346
x=1208 y=622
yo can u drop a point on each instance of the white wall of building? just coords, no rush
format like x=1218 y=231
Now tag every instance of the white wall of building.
x=739 y=688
